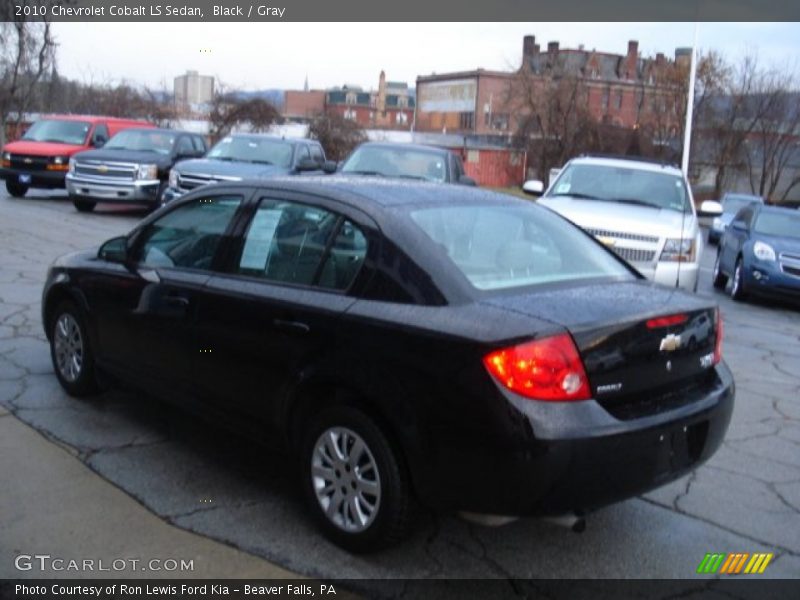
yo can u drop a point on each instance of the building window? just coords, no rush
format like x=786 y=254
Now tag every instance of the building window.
x=402 y=102
x=350 y=114
x=618 y=100
x=604 y=101
x=466 y=120
x=350 y=98
x=401 y=118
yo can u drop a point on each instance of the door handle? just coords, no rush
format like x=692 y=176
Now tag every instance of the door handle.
x=291 y=326
x=177 y=301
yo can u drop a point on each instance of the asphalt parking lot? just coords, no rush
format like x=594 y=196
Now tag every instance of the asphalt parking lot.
x=746 y=499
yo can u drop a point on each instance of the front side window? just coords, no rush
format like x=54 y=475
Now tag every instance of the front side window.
x=499 y=247
x=61 y=132
x=288 y=242
x=188 y=236
x=609 y=183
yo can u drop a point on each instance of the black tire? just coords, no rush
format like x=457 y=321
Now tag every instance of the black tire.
x=719 y=279
x=84 y=205
x=16 y=189
x=64 y=318
x=738 y=291
x=160 y=196
x=391 y=517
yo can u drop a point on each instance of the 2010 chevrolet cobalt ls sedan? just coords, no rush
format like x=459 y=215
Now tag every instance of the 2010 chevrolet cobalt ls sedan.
x=405 y=342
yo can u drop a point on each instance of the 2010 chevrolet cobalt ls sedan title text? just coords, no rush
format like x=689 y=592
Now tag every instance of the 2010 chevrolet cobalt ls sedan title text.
x=465 y=349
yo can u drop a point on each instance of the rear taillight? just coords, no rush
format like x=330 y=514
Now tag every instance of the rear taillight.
x=719 y=329
x=546 y=369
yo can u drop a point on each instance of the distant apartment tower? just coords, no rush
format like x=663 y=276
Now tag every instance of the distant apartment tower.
x=192 y=89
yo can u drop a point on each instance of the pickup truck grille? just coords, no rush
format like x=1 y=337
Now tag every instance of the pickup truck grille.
x=106 y=171
x=635 y=254
x=29 y=163
x=621 y=235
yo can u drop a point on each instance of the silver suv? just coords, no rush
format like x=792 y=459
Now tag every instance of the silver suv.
x=642 y=210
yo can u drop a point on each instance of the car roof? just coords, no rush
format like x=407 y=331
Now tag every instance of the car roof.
x=161 y=130
x=632 y=163
x=266 y=136
x=377 y=195
x=404 y=146
x=91 y=119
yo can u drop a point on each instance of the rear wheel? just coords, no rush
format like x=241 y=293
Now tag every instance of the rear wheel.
x=70 y=351
x=84 y=205
x=16 y=189
x=737 y=286
x=719 y=278
x=354 y=481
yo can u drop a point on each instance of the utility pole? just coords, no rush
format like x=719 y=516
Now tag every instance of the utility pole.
x=687 y=133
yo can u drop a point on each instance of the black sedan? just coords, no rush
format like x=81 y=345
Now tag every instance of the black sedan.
x=405 y=342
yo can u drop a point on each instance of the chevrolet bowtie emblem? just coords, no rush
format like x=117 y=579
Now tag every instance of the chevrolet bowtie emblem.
x=27 y=161
x=102 y=168
x=606 y=241
x=670 y=343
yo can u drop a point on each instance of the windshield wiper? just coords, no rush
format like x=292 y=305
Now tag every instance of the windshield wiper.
x=378 y=173
x=636 y=201
x=578 y=195
x=261 y=162
x=225 y=158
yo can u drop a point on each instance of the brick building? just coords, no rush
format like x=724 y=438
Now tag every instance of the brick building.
x=390 y=107
x=621 y=89
x=303 y=105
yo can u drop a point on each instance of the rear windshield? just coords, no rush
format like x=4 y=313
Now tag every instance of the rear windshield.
x=246 y=149
x=498 y=247
x=783 y=224
x=624 y=185
x=159 y=142
x=62 y=132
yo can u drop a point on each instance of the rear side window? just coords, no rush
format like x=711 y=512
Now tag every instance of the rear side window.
x=316 y=154
x=498 y=247
x=294 y=243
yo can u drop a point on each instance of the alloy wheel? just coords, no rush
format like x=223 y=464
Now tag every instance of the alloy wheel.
x=68 y=347
x=345 y=479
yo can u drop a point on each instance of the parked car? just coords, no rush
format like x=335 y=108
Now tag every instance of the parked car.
x=402 y=340
x=642 y=210
x=246 y=156
x=760 y=252
x=406 y=161
x=730 y=204
x=40 y=158
x=132 y=168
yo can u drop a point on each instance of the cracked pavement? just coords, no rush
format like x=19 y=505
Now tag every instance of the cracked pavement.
x=745 y=499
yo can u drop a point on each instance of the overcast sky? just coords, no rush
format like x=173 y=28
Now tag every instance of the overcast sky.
x=266 y=55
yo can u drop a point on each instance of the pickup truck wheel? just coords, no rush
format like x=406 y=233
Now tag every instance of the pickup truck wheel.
x=354 y=480
x=84 y=205
x=17 y=190
x=70 y=351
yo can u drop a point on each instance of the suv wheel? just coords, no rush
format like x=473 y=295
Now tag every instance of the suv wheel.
x=70 y=351
x=737 y=286
x=354 y=481
x=84 y=205
x=719 y=278
x=16 y=189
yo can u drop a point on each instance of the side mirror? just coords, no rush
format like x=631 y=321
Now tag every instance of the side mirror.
x=99 y=141
x=739 y=226
x=710 y=207
x=330 y=166
x=534 y=187
x=464 y=180
x=114 y=250
x=307 y=164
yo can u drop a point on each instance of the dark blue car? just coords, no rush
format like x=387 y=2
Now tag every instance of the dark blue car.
x=760 y=253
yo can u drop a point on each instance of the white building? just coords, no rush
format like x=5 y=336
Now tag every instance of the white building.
x=193 y=89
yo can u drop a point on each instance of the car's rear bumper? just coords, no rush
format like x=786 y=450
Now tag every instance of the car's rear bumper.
x=144 y=191
x=38 y=179
x=578 y=462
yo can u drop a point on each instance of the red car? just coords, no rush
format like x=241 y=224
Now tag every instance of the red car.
x=40 y=159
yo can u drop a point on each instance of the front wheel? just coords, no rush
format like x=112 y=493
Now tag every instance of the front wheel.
x=16 y=189
x=70 y=351
x=719 y=278
x=737 y=287
x=354 y=481
x=84 y=205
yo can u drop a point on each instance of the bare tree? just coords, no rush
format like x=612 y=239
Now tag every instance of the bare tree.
x=228 y=110
x=337 y=135
x=27 y=52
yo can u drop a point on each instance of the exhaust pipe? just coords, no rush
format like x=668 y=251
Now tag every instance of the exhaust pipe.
x=574 y=521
